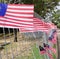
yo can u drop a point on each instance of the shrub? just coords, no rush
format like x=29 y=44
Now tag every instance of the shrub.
x=58 y=25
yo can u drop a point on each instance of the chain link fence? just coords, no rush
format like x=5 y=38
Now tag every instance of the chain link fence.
x=15 y=45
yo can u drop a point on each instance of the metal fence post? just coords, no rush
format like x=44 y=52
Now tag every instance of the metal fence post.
x=0 y=55
x=46 y=41
x=58 y=50
x=11 y=43
x=15 y=35
x=5 y=42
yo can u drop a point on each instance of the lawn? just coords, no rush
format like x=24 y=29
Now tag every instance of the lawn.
x=23 y=49
x=32 y=53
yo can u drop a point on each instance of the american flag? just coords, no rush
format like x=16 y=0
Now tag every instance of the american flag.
x=38 y=25
x=16 y=15
x=41 y=25
x=20 y=16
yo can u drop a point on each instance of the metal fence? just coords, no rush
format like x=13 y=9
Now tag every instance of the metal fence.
x=22 y=49
x=15 y=45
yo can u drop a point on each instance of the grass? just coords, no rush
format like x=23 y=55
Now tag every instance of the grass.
x=25 y=54
x=34 y=55
x=38 y=55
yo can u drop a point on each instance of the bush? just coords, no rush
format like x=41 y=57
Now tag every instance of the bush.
x=58 y=25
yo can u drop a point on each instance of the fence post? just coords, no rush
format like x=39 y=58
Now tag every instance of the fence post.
x=46 y=41
x=15 y=35
x=0 y=55
x=58 y=48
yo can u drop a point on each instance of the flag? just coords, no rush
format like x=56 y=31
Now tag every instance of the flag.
x=41 y=25
x=47 y=47
x=54 y=40
x=16 y=15
x=37 y=25
x=21 y=16
x=42 y=50
x=50 y=56
x=53 y=50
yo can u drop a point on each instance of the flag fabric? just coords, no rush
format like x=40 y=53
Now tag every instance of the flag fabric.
x=54 y=39
x=53 y=50
x=53 y=34
x=47 y=47
x=21 y=16
x=42 y=50
x=38 y=25
x=52 y=26
x=16 y=15
x=3 y=8
x=41 y=25
x=50 y=56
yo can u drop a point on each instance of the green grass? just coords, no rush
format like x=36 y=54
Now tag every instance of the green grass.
x=37 y=55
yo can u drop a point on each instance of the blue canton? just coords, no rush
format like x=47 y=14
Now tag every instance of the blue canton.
x=3 y=8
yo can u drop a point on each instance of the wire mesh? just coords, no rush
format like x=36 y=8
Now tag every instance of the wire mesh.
x=23 y=48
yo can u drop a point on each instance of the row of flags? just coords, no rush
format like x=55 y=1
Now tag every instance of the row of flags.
x=21 y=16
x=44 y=50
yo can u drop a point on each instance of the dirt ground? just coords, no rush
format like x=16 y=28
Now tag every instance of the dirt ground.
x=23 y=47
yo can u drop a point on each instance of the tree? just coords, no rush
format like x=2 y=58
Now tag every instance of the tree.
x=42 y=7
x=56 y=18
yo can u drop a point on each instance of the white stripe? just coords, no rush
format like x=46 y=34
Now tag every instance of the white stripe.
x=28 y=28
x=9 y=27
x=21 y=6
x=26 y=11
x=24 y=15
x=19 y=18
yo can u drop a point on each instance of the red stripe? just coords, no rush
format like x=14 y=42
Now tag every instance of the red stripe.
x=3 y=24
x=30 y=13
x=21 y=8
x=19 y=20
x=17 y=23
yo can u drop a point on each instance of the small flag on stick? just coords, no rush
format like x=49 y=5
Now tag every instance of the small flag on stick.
x=42 y=50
